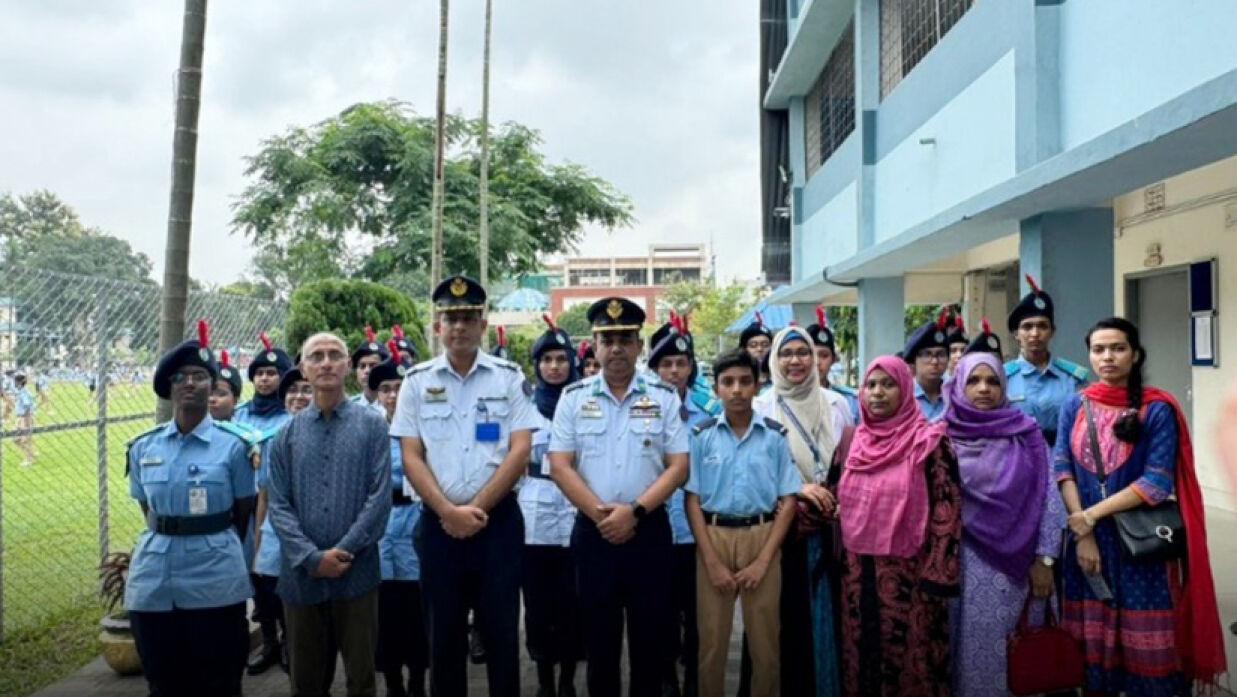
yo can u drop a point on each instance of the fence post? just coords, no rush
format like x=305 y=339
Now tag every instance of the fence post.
x=2 y=434
x=101 y=369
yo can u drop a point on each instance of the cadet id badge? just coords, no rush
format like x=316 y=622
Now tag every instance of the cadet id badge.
x=197 y=500
x=487 y=431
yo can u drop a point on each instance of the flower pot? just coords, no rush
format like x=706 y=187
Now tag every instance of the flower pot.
x=116 y=639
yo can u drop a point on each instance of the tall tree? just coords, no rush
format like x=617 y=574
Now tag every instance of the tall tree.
x=440 y=156
x=350 y=196
x=184 y=167
x=710 y=310
x=485 y=148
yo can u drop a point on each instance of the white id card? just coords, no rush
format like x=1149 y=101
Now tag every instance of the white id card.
x=409 y=491
x=197 y=500
x=545 y=465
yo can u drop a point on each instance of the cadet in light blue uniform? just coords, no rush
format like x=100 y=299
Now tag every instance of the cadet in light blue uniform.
x=619 y=450
x=927 y=352
x=842 y=399
x=188 y=581
x=757 y=339
x=672 y=357
x=1039 y=383
x=367 y=354
x=265 y=411
x=466 y=427
x=402 y=635
x=551 y=608
x=25 y=418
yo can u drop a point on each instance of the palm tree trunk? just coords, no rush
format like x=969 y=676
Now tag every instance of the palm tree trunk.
x=439 y=140
x=485 y=148
x=184 y=164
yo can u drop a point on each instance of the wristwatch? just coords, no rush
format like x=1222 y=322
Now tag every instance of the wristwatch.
x=638 y=510
x=1047 y=561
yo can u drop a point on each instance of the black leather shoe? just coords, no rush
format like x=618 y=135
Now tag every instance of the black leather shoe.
x=262 y=659
x=476 y=649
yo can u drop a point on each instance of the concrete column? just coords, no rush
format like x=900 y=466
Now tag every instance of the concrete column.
x=882 y=304
x=803 y=313
x=1071 y=257
x=867 y=99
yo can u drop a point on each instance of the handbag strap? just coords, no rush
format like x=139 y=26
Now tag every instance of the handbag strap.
x=819 y=471
x=1096 y=452
x=1050 y=619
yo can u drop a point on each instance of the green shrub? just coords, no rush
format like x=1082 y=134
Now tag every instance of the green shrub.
x=346 y=307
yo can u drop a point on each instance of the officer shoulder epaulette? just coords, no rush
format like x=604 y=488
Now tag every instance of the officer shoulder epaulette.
x=775 y=425
x=528 y=388
x=845 y=389
x=504 y=363
x=705 y=425
x=1011 y=369
x=1073 y=369
x=133 y=441
x=420 y=368
x=579 y=384
x=660 y=385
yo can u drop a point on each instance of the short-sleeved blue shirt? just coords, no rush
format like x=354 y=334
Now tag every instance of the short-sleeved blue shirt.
x=741 y=476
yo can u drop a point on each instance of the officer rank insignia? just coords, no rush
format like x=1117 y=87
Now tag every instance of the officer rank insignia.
x=459 y=287
x=435 y=394
x=614 y=309
x=646 y=408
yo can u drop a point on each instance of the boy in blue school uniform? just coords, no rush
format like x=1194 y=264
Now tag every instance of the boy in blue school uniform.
x=741 y=502
x=188 y=581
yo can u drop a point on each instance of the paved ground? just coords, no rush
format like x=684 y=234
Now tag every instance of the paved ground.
x=96 y=680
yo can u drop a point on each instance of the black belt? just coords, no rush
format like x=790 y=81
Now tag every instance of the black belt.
x=399 y=499
x=189 y=524
x=737 y=521
x=534 y=471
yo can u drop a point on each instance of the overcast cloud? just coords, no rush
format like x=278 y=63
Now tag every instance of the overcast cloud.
x=657 y=96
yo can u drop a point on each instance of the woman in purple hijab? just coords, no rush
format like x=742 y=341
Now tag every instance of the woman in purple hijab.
x=1010 y=537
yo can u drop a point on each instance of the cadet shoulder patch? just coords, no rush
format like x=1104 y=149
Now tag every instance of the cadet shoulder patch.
x=574 y=386
x=528 y=388
x=1011 y=369
x=845 y=389
x=1076 y=371
x=704 y=425
x=774 y=425
x=660 y=385
x=133 y=441
x=248 y=436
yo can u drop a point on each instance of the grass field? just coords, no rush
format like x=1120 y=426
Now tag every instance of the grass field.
x=51 y=521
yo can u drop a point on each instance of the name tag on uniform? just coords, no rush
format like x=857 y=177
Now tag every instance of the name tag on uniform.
x=590 y=410
x=1018 y=398
x=488 y=432
x=151 y=461
x=197 y=500
x=435 y=394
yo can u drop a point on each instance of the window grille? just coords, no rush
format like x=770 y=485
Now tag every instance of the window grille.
x=830 y=106
x=909 y=30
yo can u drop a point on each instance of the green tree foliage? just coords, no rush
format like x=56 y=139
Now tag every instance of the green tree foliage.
x=574 y=321
x=41 y=231
x=710 y=309
x=365 y=176
x=346 y=307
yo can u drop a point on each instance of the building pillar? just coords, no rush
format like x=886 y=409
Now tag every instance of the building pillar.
x=1070 y=255
x=882 y=305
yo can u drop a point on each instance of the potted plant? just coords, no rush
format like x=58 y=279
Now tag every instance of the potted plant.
x=119 y=651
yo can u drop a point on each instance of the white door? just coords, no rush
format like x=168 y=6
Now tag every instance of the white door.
x=1162 y=311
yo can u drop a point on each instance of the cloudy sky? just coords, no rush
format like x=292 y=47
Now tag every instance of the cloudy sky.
x=657 y=96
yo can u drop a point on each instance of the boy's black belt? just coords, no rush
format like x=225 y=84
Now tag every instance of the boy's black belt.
x=737 y=521
x=398 y=498
x=189 y=524
x=534 y=471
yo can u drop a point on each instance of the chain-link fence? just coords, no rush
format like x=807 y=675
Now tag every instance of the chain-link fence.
x=77 y=354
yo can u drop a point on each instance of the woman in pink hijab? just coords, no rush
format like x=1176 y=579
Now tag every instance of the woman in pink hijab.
x=899 y=500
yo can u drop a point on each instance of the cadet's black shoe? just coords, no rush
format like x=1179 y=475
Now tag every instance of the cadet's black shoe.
x=262 y=659
x=476 y=649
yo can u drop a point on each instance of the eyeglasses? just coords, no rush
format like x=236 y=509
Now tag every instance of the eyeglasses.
x=304 y=390
x=320 y=357
x=197 y=378
x=934 y=356
x=801 y=354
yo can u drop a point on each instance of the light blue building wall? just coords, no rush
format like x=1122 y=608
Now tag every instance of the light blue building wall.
x=1027 y=117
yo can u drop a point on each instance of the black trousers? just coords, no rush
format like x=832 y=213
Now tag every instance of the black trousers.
x=631 y=579
x=402 y=638
x=482 y=573
x=192 y=653
x=267 y=607
x=551 y=609
x=684 y=633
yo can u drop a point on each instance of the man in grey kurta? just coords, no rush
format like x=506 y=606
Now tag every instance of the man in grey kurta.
x=330 y=497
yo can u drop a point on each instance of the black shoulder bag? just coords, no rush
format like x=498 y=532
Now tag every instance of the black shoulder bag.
x=1147 y=533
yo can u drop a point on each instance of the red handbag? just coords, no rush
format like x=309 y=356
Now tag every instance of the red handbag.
x=1043 y=659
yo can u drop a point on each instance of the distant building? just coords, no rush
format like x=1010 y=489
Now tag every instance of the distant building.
x=638 y=278
x=9 y=328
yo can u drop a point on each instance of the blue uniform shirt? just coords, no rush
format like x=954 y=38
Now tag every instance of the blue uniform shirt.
x=1040 y=394
x=931 y=410
x=852 y=400
x=376 y=405
x=447 y=411
x=267 y=422
x=398 y=559
x=166 y=469
x=741 y=476
x=548 y=514
x=267 y=559
x=24 y=405
x=679 y=527
x=620 y=446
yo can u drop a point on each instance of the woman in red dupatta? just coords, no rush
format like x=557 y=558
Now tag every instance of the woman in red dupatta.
x=1160 y=635
x=899 y=500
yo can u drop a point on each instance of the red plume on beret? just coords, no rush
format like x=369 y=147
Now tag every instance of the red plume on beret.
x=942 y=317
x=1034 y=286
x=683 y=321
x=760 y=319
x=545 y=317
x=395 y=354
x=266 y=342
x=792 y=323
x=369 y=334
x=959 y=323
x=396 y=331
x=203 y=333
x=583 y=349
x=821 y=319
x=502 y=335
x=987 y=327
x=224 y=360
